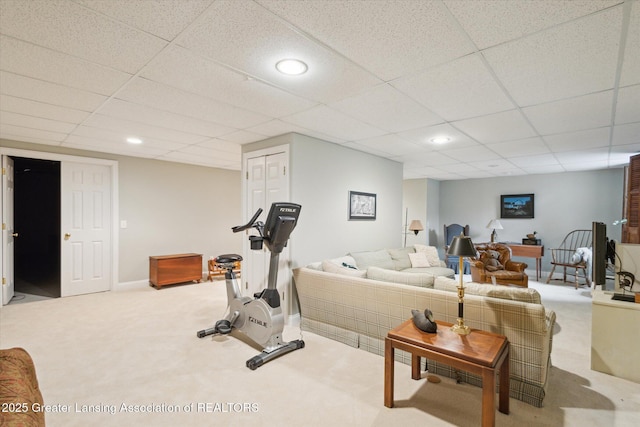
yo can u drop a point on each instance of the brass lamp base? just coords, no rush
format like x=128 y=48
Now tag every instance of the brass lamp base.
x=461 y=328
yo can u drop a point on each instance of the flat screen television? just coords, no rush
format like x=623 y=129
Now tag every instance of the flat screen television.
x=599 y=250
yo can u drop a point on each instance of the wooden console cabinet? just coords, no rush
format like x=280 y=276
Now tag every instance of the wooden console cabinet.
x=172 y=269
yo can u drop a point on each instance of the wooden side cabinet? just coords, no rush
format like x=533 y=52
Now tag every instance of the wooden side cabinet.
x=171 y=269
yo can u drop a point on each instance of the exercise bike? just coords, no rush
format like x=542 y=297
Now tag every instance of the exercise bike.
x=260 y=318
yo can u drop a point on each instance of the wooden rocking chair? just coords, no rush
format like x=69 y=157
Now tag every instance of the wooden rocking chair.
x=563 y=255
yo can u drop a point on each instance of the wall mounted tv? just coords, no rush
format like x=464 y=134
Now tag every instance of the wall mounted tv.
x=516 y=206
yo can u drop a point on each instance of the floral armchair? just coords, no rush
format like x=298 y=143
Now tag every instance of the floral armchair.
x=507 y=272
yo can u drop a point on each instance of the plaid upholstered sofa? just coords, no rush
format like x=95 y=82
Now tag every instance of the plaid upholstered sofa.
x=359 y=311
x=20 y=395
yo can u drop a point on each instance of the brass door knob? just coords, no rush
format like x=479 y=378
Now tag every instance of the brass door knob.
x=67 y=236
x=15 y=234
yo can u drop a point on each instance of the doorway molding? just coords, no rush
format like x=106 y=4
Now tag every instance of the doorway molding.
x=115 y=207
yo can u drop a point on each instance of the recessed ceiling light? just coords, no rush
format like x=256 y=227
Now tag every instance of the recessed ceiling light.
x=292 y=67
x=133 y=140
x=440 y=140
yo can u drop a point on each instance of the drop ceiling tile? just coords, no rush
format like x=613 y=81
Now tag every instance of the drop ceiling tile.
x=585 y=112
x=75 y=30
x=187 y=71
x=177 y=156
x=390 y=38
x=120 y=109
x=278 y=127
x=628 y=106
x=326 y=120
x=207 y=153
x=49 y=93
x=387 y=144
x=585 y=139
x=625 y=134
x=426 y=158
x=477 y=153
x=48 y=65
x=387 y=108
x=242 y=137
x=246 y=37
x=117 y=138
x=40 y=109
x=38 y=136
x=489 y=23
x=91 y=143
x=568 y=60
x=494 y=165
x=522 y=147
x=541 y=169
x=457 y=90
x=131 y=128
x=461 y=168
x=619 y=155
x=534 y=161
x=222 y=145
x=631 y=65
x=584 y=156
x=499 y=127
x=166 y=18
x=32 y=122
x=425 y=135
x=162 y=97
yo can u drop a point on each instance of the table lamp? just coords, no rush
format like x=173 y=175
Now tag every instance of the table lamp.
x=461 y=246
x=495 y=224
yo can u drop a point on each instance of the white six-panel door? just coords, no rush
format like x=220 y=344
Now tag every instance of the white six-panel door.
x=267 y=182
x=8 y=233
x=86 y=228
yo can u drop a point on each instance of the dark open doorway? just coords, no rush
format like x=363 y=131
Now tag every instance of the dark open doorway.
x=37 y=222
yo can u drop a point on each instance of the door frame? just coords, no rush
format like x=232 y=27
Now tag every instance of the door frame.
x=115 y=209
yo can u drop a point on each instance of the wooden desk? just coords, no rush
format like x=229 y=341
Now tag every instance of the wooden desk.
x=481 y=353
x=528 y=251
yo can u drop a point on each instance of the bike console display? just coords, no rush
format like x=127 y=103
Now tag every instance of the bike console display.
x=281 y=221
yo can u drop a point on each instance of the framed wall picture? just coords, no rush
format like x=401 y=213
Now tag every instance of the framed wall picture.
x=362 y=205
x=516 y=206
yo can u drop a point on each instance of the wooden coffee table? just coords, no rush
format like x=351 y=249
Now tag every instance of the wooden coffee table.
x=481 y=353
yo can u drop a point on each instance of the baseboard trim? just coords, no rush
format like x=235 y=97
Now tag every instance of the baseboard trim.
x=129 y=286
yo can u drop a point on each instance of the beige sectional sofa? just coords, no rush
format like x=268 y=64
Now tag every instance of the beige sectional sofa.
x=349 y=307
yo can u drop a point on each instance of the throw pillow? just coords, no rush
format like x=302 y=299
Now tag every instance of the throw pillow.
x=330 y=267
x=432 y=254
x=419 y=260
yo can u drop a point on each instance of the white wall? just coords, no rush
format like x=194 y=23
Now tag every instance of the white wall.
x=563 y=202
x=322 y=174
x=414 y=198
x=169 y=207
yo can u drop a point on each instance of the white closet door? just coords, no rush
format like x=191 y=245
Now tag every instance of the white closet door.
x=8 y=234
x=86 y=228
x=267 y=182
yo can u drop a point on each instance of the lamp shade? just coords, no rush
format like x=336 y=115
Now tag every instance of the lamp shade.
x=495 y=224
x=462 y=246
x=416 y=225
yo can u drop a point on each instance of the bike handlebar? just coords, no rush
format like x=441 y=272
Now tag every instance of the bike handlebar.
x=248 y=225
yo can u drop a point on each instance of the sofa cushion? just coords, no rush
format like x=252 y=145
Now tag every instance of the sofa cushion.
x=380 y=258
x=419 y=260
x=431 y=251
x=331 y=267
x=400 y=257
x=434 y=271
x=424 y=280
x=494 y=291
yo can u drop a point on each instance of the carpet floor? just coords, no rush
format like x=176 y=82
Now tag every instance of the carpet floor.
x=133 y=358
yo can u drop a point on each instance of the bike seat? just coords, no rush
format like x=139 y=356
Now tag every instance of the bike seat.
x=228 y=258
